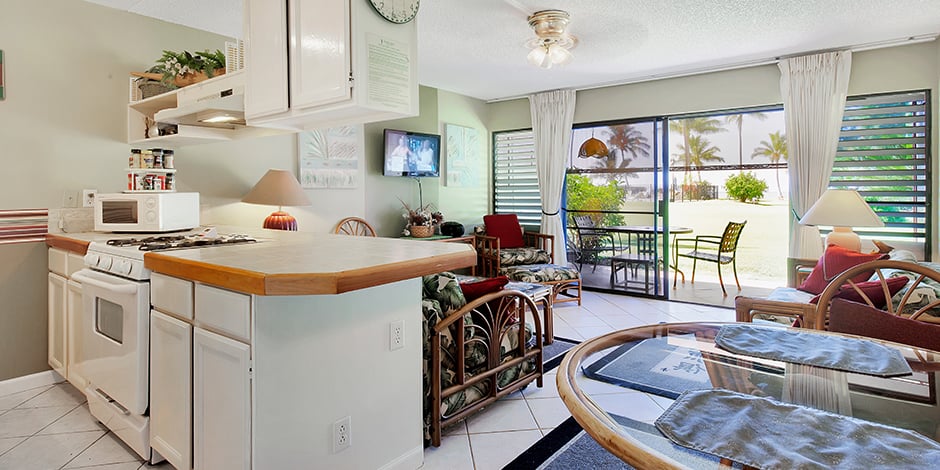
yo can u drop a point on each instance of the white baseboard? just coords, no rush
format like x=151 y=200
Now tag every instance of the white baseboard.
x=26 y=382
x=414 y=458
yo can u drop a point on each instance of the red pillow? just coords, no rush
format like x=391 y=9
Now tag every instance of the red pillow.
x=506 y=228
x=832 y=263
x=475 y=289
x=872 y=290
x=862 y=320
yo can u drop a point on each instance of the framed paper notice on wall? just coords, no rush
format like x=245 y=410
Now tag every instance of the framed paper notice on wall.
x=464 y=155
x=2 y=86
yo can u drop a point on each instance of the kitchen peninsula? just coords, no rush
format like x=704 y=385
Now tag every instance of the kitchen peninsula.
x=289 y=341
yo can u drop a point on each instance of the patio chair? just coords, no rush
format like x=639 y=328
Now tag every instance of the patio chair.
x=591 y=240
x=354 y=226
x=714 y=249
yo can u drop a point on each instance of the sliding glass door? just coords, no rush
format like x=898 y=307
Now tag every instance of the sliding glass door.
x=616 y=196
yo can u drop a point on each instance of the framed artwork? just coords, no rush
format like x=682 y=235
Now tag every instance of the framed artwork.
x=2 y=82
x=329 y=158
x=464 y=157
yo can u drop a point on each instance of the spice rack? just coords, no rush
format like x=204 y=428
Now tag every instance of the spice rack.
x=132 y=174
x=150 y=171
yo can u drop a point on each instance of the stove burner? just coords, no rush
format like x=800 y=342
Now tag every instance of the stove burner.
x=178 y=242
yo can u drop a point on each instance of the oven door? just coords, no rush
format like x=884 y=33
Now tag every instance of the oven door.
x=116 y=335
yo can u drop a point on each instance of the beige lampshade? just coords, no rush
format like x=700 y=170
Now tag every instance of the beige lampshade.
x=841 y=208
x=277 y=188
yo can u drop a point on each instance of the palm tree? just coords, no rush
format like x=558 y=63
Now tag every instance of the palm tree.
x=775 y=150
x=738 y=121
x=687 y=128
x=700 y=151
x=626 y=140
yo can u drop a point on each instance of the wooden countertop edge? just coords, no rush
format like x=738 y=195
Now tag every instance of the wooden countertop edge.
x=251 y=282
x=240 y=280
x=66 y=243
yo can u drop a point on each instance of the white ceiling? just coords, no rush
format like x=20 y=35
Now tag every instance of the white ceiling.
x=476 y=47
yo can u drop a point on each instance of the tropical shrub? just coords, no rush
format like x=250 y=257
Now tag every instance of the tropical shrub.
x=745 y=187
x=585 y=196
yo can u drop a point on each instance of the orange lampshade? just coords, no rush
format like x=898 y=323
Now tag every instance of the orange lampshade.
x=278 y=188
x=593 y=148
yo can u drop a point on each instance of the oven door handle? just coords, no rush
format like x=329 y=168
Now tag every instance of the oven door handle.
x=86 y=278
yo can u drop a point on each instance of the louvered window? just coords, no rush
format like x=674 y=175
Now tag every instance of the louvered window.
x=21 y=226
x=516 y=184
x=883 y=154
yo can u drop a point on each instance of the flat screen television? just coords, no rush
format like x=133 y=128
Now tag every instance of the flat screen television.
x=412 y=154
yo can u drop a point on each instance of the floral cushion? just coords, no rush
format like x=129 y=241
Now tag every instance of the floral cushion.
x=924 y=293
x=444 y=288
x=524 y=255
x=540 y=273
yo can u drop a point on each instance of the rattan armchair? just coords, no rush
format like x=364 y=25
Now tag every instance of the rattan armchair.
x=816 y=315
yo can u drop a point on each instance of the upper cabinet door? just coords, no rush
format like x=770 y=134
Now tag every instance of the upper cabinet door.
x=319 y=52
x=266 y=57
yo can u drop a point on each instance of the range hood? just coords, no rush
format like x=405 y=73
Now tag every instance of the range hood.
x=218 y=102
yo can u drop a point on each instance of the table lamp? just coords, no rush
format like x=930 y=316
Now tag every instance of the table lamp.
x=842 y=209
x=278 y=188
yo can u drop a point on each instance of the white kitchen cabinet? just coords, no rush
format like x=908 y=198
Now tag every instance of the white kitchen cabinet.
x=65 y=315
x=171 y=389
x=74 y=310
x=57 y=324
x=221 y=402
x=315 y=63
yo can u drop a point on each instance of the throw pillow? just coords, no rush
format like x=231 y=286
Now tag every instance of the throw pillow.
x=859 y=319
x=832 y=263
x=506 y=228
x=871 y=289
x=479 y=288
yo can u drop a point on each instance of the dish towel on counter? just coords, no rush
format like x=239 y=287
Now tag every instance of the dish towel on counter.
x=813 y=349
x=769 y=434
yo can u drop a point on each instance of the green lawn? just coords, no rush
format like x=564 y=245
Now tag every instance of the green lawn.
x=762 y=249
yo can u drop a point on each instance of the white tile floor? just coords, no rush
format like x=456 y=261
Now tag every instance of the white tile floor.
x=49 y=428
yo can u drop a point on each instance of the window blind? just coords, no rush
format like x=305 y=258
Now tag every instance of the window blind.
x=883 y=154
x=21 y=226
x=516 y=184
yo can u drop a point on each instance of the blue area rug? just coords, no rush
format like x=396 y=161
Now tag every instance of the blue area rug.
x=654 y=366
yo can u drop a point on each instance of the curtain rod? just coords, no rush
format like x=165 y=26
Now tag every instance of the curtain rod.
x=746 y=64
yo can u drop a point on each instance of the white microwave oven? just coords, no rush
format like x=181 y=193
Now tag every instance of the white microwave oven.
x=146 y=212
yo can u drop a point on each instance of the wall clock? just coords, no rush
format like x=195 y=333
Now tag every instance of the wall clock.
x=396 y=11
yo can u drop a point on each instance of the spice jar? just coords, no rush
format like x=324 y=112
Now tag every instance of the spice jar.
x=168 y=159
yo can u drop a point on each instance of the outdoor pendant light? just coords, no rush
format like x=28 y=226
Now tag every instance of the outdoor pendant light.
x=593 y=148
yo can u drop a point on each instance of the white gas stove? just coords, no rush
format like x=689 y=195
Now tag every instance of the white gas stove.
x=124 y=257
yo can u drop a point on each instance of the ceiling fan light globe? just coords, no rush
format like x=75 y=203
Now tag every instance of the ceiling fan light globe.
x=537 y=56
x=559 y=55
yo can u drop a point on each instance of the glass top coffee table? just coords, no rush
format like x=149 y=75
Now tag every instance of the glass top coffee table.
x=682 y=361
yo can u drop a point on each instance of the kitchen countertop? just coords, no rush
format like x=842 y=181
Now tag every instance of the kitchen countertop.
x=296 y=263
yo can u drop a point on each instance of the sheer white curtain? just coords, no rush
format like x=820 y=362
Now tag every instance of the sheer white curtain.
x=814 y=89
x=552 y=116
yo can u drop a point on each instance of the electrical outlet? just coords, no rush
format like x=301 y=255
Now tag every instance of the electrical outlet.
x=88 y=197
x=396 y=335
x=342 y=434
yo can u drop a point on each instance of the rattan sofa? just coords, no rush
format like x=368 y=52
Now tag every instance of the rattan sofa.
x=474 y=352
x=919 y=299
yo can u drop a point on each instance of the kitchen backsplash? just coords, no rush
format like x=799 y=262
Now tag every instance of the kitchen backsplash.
x=71 y=220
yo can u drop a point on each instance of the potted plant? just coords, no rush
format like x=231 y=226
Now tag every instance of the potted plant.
x=420 y=222
x=178 y=69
